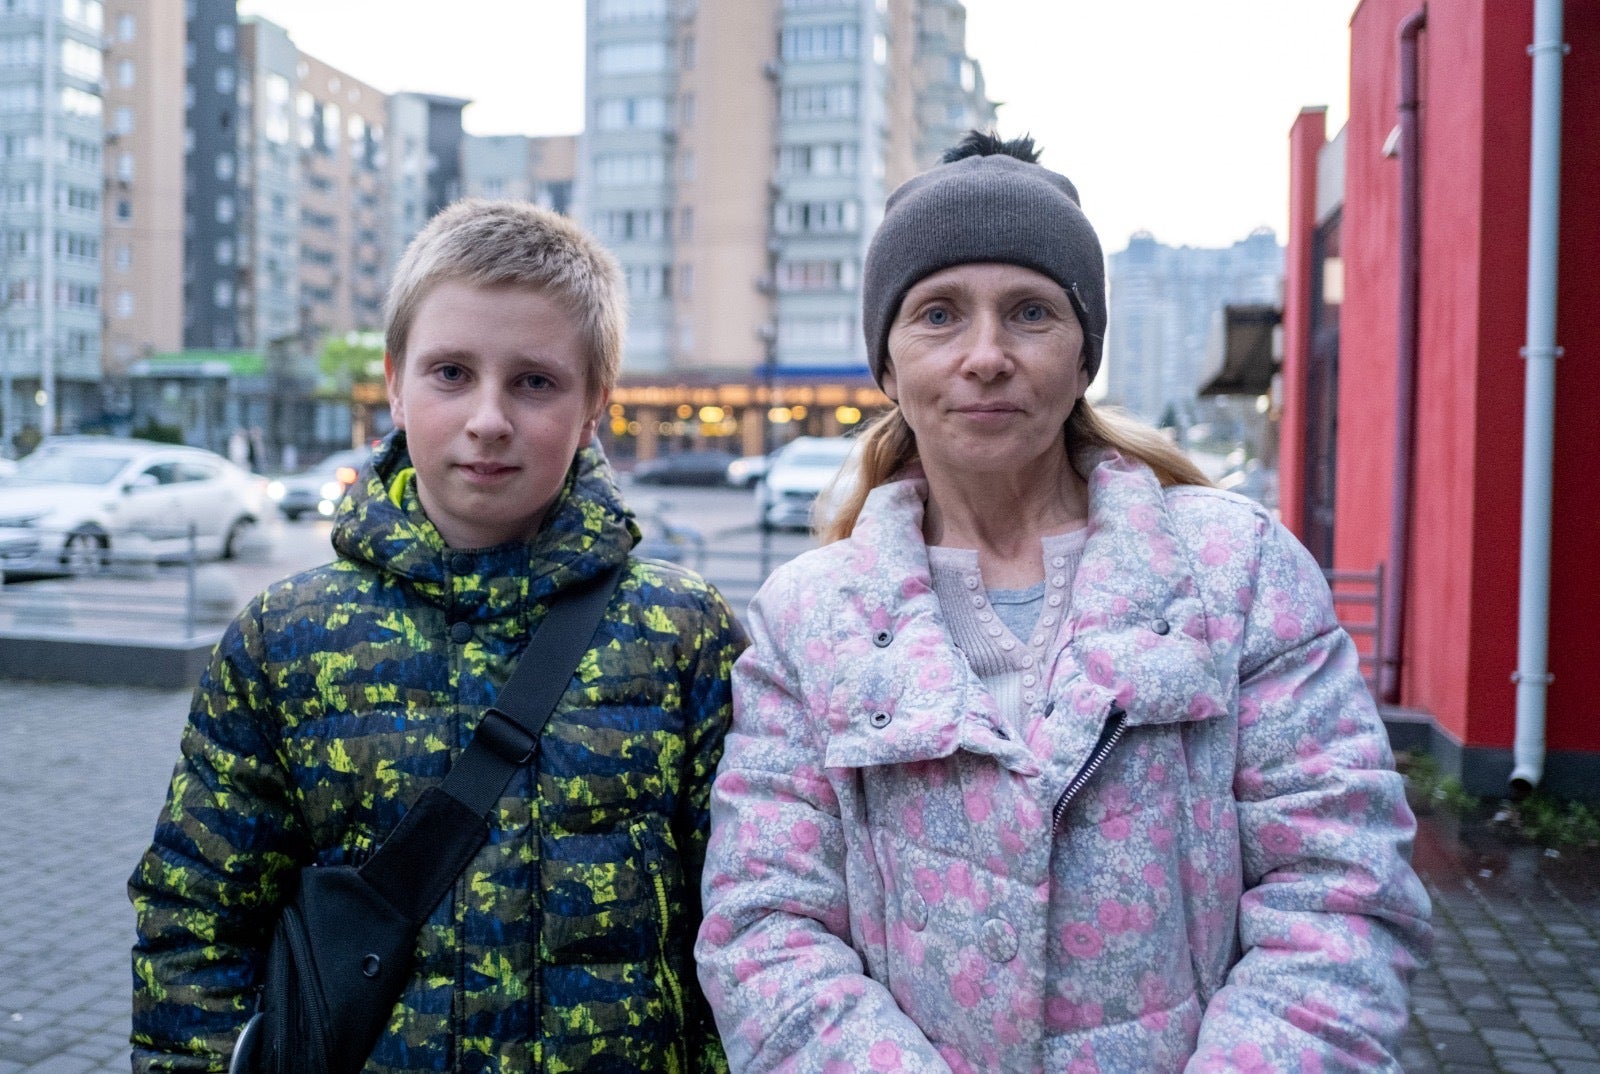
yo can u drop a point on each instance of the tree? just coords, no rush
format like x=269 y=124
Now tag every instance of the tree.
x=355 y=359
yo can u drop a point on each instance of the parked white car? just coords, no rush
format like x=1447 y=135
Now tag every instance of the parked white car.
x=800 y=471
x=76 y=502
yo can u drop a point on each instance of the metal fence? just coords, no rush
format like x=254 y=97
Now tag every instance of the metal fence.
x=1358 y=603
x=110 y=591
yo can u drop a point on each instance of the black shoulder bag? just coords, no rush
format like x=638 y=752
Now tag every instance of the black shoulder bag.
x=341 y=951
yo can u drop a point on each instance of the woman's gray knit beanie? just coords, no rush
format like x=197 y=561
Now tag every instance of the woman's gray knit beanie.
x=994 y=208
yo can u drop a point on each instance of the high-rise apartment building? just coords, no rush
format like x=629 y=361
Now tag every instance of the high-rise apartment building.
x=421 y=162
x=518 y=166
x=736 y=157
x=212 y=208
x=142 y=249
x=51 y=137
x=1163 y=303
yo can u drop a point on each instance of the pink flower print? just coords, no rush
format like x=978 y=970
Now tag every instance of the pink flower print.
x=966 y=988
x=716 y=930
x=1155 y=876
x=933 y=676
x=1157 y=773
x=1214 y=553
x=884 y=1055
x=1011 y=842
x=805 y=835
x=1062 y=1014
x=838 y=1066
x=1202 y=814
x=1099 y=668
x=1112 y=916
x=959 y=880
x=979 y=803
x=1143 y=517
x=1286 y=626
x=911 y=820
x=1080 y=940
x=1280 y=840
x=1117 y=828
x=745 y=969
x=955 y=1060
x=1161 y=838
x=1248 y=1059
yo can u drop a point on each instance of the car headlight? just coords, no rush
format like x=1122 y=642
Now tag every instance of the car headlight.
x=275 y=490
x=332 y=490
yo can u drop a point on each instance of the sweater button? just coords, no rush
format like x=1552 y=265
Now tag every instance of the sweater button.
x=1160 y=626
x=999 y=940
x=879 y=719
x=882 y=638
x=460 y=633
x=461 y=563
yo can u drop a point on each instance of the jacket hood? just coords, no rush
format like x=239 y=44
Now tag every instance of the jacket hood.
x=587 y=530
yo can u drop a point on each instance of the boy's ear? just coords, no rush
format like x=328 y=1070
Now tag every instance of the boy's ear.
x=592 y=426
x=391 y=384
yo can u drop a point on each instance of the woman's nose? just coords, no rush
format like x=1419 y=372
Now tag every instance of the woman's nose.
x=986 y=355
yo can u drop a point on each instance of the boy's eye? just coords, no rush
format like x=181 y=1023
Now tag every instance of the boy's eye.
x=450 y=373
x=538 y=381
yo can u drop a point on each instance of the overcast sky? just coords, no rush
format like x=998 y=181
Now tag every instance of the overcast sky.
x=1169 y=115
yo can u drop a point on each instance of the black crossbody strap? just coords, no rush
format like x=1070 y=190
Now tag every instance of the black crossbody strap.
x=433 y=842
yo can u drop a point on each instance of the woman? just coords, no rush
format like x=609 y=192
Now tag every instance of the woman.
x=1055 y=758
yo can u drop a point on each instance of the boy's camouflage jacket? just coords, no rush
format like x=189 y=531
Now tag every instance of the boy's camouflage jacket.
x=339 y=695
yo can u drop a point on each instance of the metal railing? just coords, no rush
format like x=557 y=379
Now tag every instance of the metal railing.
x=111 y=589
x=1358 y=603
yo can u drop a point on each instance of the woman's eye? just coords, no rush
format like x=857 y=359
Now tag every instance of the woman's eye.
x=1033 y=312
x=937 y=316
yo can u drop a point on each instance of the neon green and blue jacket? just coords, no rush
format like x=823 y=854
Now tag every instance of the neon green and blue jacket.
x=339 y=695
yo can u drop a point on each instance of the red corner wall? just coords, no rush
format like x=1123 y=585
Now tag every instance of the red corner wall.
x=1461 y=596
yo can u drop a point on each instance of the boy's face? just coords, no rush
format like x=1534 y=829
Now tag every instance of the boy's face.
x=494 y=399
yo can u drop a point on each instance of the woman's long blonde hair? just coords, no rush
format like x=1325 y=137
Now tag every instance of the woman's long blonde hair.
x=889 y=446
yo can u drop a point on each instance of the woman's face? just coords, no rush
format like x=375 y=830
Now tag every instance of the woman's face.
x=986 y=362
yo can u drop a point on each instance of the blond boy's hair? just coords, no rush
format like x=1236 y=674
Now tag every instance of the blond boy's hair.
x=492 y=243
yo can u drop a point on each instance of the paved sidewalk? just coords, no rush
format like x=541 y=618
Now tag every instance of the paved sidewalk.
x=1514 y=987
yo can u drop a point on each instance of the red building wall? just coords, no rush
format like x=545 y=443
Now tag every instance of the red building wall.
x=1460 y=634
x=1306 y=139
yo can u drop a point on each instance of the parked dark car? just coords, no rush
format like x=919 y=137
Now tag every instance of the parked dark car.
x=708 y=468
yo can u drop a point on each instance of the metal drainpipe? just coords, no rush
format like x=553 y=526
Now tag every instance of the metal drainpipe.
x=1405 y=424
x=1538 y=431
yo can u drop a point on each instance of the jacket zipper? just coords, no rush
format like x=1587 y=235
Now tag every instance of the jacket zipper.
x=658 y=881
x=301 y=949
x=1110 y=735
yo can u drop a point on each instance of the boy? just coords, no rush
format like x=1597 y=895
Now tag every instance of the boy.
x=339 y=695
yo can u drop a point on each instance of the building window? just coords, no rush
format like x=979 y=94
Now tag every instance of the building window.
x=225 y=168
x=632 y=113
x=76 y=102
x=124 y=209
x=827 y=101
x=123 y=258
x=222 y=295
x=841 y=41
x=127 y=27
x=125 y=167
x=827 y=159
x=81 y=61
x=632 y=58
x=816 y=275
x=629 y=169
x=225 y=37
x=125 y=71
x=225 y=210
x=816 y=217
x=225 y=79
x=831 y=333
x=88 y=13
x=630 y=10
x=124 y=304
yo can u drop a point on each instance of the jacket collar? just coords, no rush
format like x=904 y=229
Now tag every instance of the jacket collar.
x=1138 y=632
x=381 y=522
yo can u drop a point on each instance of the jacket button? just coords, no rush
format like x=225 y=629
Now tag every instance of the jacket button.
x=461 y=563
x=999 y=940
x=370 y=966
x=1160 y=626
x=460 y=633
x=879 y=719
x=915 y=909
x=882 y=638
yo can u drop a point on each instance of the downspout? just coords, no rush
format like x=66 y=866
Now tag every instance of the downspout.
x=1538 y=430
x=1405 y=421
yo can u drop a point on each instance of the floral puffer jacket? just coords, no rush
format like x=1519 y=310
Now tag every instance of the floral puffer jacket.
x=340 y=695
x=1191 y=855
